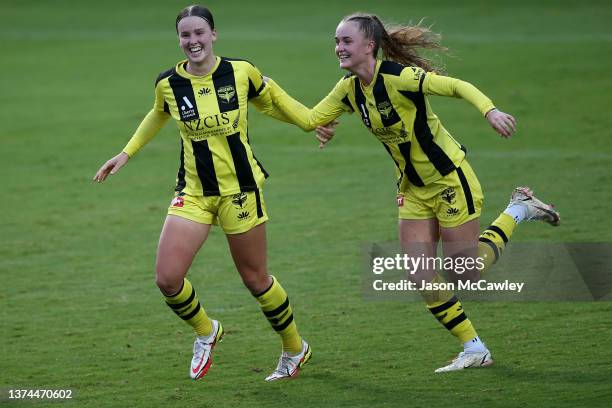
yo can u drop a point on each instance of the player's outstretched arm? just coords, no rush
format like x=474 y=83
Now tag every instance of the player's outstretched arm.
x=325 y=133
x=112 y=166
x=503 y=123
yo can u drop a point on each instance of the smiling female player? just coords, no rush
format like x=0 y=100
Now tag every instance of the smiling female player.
x=219 y=182
x=439 y=196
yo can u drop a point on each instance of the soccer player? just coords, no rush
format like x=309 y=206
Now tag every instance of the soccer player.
x=439 y=196
x=219 y=182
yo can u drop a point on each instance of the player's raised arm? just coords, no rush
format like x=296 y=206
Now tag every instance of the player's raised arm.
x=149 y=127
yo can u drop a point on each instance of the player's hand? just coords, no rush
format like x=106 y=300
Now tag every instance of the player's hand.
x=111 y=167
x=326 y=133
x=503 y=123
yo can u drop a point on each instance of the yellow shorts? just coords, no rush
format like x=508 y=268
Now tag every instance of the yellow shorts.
x=234 y=213
x=453 y=200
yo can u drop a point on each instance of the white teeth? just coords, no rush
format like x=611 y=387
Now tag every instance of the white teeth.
x=195 y=49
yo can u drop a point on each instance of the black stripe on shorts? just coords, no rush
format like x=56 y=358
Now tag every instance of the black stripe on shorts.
x=466 y=191
x=258 y=203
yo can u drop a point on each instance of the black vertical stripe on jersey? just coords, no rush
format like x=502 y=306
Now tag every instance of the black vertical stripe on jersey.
x=224 y=77
x=205 y=168
x=346 y=101
x=360 y=100
x=258 y=204
x=180 y=177
x=181 y=87
x=391 y=68
x=255 y=92
x=409 y=169
x=244 y=174
x=434 y=153
x=466 y=191
x=382 y=97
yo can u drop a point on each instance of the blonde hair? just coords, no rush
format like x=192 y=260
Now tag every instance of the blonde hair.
x=399 y=43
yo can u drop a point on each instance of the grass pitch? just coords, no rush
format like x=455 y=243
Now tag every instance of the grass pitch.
x=80 y=308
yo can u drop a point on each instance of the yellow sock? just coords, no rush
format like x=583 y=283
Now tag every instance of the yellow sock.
x=275 y=305
x=493 y=240
x=187 y=306
x=452 y=316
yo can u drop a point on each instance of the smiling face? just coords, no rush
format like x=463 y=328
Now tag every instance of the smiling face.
x=353 y=49
x=196 y=39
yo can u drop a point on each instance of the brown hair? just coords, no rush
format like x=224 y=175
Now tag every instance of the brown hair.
x=197 y=11
x=399 y=43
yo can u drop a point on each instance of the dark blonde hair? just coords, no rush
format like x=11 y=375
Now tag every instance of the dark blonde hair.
x=399 y=43
x=197 y=11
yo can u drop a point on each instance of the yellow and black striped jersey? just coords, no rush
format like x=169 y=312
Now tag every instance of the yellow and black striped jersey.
x=394 y=107
x=211 y=114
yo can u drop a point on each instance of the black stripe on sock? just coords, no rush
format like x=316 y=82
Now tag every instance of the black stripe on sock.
x=284 y=325
x=450 y=325
x=265 y=291
x=183 y=304
x=466 y=191
x=278 y=310
x=193 y=312
x=492 y=245
x=499 y=231
x=258 y=204
x=443 y=307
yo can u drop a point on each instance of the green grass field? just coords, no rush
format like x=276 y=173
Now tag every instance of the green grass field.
x=80 y=308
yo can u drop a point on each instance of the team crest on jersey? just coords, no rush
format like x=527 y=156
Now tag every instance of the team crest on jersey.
x=449 y=195
x=239 y=200
x=385 y=108
x=226 y=94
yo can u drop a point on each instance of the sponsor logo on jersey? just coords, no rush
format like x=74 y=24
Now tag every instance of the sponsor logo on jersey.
x=226 y=94
x=448 y=195
x=243 y=215
x=452 y=212
x=178 y=201
x=187 y=110
x=204 y=91
x=239 y=199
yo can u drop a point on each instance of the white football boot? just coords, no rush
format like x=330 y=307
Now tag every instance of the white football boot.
x=202 y=351
x=289 y=365
x=468 y=360
x=536 y=209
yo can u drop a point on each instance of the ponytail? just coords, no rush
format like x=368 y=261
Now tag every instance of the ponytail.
x=399 y=43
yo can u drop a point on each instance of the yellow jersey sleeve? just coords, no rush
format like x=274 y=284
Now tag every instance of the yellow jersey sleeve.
x=160 y=104
x=442 y=85
x=415 y=79
x=150 y=125
x=324 y=112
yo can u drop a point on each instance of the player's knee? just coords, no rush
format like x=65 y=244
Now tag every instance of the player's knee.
x=256 y=281
x=167 y=285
